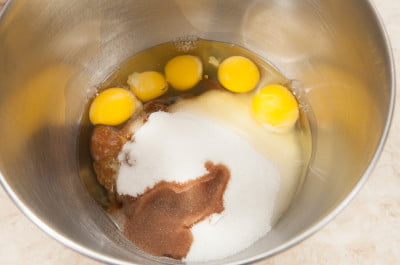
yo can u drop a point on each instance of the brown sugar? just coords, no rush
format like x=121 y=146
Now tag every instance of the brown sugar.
x=106 y=142
x=159 y=220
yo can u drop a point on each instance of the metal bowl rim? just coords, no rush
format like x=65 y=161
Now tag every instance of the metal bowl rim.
x=294 y=241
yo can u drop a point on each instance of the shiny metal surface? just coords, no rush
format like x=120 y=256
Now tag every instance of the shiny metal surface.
x=53 y=54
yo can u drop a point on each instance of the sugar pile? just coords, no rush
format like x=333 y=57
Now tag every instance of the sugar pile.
x=284 y=150
x=175 y=147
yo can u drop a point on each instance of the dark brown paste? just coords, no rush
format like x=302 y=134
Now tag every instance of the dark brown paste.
x=159 y=220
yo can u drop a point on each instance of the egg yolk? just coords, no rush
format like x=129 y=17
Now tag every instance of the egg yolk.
x=276 y=107
x=113 y=106
x=184 y=72
x=238 y=74
x=147 y=85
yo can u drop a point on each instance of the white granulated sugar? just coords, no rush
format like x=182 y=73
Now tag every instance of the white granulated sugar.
x=175 y=147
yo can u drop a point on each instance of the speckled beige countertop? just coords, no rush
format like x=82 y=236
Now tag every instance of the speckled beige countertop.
x=367 y=232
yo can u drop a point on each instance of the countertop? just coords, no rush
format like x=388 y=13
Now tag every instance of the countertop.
x=366 y=232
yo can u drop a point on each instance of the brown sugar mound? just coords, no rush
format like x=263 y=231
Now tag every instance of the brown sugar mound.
x=159 y=220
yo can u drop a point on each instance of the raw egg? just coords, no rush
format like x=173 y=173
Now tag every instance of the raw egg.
x=276 y=107
x=238 y=74
x=147 y=85
x=184 y=72
x=113 y=106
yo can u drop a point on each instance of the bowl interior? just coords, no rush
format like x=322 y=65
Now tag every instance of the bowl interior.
x=55 y=53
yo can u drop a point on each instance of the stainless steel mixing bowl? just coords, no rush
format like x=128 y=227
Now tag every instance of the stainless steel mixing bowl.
x=53 y=54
